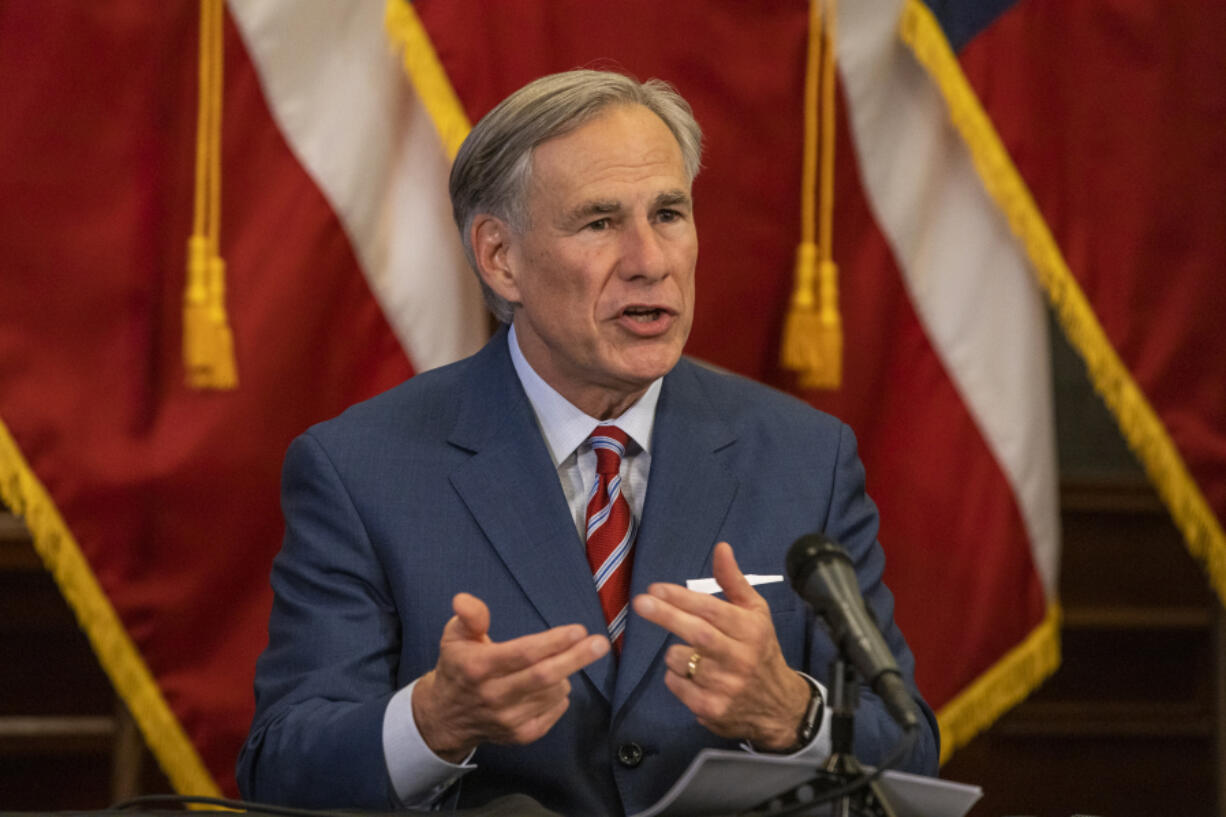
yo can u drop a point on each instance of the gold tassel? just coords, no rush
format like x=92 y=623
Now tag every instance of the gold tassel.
x=208 y=343
x=813 y=330
x=197 y=347
x=800 y=352
x=829 y=373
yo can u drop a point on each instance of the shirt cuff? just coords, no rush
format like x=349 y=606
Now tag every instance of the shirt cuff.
x=419 y=777
x=818 y=748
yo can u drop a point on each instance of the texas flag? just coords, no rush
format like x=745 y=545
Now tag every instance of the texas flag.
x=155 y=504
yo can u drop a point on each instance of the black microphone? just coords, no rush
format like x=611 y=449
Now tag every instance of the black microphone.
x=823 y=575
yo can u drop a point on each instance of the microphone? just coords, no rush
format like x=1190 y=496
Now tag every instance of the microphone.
x=823 y=575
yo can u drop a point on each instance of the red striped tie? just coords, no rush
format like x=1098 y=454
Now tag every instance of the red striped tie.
x=610 y=530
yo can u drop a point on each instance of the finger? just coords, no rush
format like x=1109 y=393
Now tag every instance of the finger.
x=708 y=673
x=536 y=724
x=473 y=617
x=511 y=720
x=513 y=700
x=508 y=657
x=507 y=710
x=709 y=708
x=727 y=573
x=677 y=660
x=551 y=670
x=692 y=617
x=727 y=618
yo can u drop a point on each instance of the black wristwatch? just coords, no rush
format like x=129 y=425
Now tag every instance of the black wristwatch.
x=812 y=719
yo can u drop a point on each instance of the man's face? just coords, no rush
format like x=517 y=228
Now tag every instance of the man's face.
x=605 y=271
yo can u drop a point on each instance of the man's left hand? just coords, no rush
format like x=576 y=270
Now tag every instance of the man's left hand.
x=740 y=686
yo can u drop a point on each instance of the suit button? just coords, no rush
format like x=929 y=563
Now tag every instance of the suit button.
x=630 y=755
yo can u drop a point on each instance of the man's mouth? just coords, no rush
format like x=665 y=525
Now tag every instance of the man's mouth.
x=644 y=314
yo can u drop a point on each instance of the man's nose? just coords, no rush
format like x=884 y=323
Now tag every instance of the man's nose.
x=643 y=252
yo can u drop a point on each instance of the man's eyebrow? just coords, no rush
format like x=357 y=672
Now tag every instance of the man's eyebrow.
x=597 y=207
x=673 y=198
x=607 y=207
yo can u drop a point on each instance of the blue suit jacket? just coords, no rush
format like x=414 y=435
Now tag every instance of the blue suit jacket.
x=444 y=484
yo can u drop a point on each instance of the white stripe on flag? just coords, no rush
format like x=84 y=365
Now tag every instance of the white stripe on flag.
x=965 y=273
x=359 y=130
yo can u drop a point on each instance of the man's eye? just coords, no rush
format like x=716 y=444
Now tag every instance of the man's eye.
x=668 y=215
x=599 y=224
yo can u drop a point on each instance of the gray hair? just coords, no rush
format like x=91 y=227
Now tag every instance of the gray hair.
x=493 y=166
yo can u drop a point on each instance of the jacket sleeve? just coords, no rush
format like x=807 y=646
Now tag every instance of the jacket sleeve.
x=853 y=522
x=325 y=679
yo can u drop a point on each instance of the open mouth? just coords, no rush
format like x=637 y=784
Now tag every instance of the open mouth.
x=644 y=314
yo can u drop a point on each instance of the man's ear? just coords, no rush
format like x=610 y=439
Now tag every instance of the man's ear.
x=492 y=240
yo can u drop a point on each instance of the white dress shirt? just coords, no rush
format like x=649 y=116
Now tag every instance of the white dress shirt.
x=418 y=775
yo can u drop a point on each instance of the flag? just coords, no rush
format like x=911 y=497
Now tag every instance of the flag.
x=1097 y=128
x=155 y=505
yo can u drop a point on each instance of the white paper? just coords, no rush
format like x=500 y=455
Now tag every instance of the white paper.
x=712 y=586
x=720 y=783
x=913 y=795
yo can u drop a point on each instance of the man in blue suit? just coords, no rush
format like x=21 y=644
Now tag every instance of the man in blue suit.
x=438 y=635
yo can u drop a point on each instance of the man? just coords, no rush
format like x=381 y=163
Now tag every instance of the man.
x=482 y=588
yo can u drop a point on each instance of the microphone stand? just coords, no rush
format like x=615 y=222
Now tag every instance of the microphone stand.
x=842 y=767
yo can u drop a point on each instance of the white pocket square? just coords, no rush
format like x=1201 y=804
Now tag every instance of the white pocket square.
x=712 y=586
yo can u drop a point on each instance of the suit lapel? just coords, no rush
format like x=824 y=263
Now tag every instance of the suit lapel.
x=689 y=492
x=510 y=486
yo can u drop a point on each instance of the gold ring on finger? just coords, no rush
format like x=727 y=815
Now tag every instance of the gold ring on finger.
x=692 y=666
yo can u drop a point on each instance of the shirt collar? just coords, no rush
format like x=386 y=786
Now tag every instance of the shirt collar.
x=566 y=427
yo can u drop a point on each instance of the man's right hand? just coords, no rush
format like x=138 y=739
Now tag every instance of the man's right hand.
x=483 y=692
